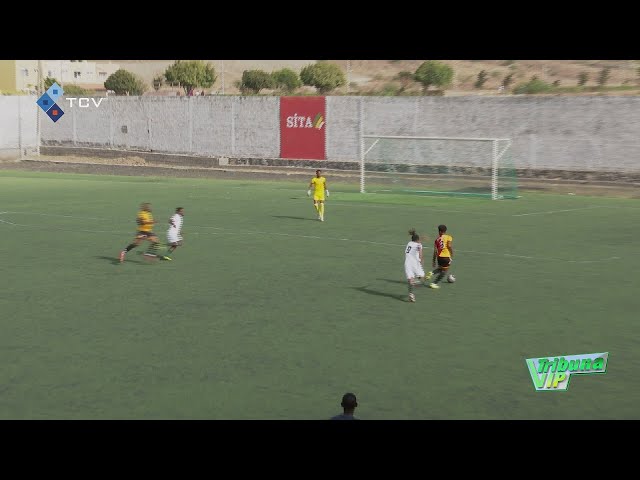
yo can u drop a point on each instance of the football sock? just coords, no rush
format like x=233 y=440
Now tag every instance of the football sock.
x=410 y=287
x=153 y=248
x=322 y=209
x=440 y=276
x=315 y=205
x=130 y=247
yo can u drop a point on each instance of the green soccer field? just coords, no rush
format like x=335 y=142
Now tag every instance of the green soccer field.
x=266 y=313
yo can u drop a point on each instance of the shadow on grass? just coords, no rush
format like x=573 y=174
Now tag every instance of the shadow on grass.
x=400 y=297
x=401 y=282
x=294 y=218
x=116 y=261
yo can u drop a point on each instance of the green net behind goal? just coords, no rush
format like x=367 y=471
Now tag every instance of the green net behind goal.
x=481 y=167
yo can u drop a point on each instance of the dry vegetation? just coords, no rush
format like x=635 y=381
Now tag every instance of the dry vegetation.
x=370 y=76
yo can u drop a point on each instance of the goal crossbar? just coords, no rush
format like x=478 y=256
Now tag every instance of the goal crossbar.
x=470 y=139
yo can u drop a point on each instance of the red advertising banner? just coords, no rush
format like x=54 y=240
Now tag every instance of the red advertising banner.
x=302 y=127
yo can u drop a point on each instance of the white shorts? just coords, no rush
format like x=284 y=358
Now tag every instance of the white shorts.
x=412 y=269
x=173 y=236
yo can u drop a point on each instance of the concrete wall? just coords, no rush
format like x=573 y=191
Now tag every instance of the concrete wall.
x=17 y=125
x=565 y=133
x=214 y=125
x=599 y=133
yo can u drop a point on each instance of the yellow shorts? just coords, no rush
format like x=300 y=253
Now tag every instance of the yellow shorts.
x=318 y=197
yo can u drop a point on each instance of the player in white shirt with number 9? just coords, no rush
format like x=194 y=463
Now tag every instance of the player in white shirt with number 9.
x=413 y=262
x=174 y=234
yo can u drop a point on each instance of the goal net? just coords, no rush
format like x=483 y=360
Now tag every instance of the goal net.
x=481 y=167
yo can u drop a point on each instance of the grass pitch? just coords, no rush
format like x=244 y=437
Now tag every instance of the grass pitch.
x=266 y=313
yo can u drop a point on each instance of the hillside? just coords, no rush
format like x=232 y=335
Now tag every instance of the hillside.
x=374 y=75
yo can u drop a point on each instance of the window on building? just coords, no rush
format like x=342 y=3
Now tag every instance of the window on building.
x=77 y=74
x=25 y=72
x=102 y=74
x=49 y=74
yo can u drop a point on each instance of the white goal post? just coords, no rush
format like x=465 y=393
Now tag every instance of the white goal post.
x=459 y=157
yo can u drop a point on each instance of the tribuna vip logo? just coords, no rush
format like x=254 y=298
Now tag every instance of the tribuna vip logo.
x=553 y=374
x=48 y=102
x=301 y=121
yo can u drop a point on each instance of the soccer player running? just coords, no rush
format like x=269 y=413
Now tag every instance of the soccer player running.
x=443 y=254
x=413 y=262
x=145 y=223
x=319 y=184
x=174 y=234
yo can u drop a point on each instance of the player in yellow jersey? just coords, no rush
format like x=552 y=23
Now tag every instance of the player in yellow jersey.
x=319 y=185
x=145 y=232
x=443 y=254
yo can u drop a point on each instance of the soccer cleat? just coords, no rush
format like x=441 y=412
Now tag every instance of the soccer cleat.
x=122 y=253
x=322 y=218
x=166 y=258
x=434 y=285
x=412 y=297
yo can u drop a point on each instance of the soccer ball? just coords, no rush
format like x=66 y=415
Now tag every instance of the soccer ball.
x=451 y=279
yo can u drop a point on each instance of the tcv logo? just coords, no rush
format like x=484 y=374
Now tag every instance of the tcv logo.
x=48 y=102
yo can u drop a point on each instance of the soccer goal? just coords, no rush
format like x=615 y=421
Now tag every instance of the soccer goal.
x=481 y=167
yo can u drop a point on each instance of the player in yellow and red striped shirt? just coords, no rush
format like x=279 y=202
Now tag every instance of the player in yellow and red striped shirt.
x=443 y=254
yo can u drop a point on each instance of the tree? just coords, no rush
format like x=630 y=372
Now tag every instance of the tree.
x=256 y=80
x=50 y=81
x=323 y=76
x=482 y=78
x=286 y=80
x=434 y=73
x=603 y=78
x=125 y=83
x=191 y=74
x=582 y=78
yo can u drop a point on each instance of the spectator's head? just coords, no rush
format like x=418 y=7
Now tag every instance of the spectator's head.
x=349 y=403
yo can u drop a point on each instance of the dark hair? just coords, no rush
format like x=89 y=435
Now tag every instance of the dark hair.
x=414 y=236
x=442 y=228
x=179 y=208
x=318 y=170
x=349 y=401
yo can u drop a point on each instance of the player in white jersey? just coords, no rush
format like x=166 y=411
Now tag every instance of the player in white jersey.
x=174 y=234
x=413 y=262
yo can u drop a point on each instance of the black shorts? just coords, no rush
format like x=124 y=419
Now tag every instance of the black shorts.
x=443 y=262
x=145 y=234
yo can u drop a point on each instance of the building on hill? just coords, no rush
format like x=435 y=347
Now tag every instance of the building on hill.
x=22 y=75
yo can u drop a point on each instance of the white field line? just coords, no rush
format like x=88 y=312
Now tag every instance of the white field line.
x=558 y=211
